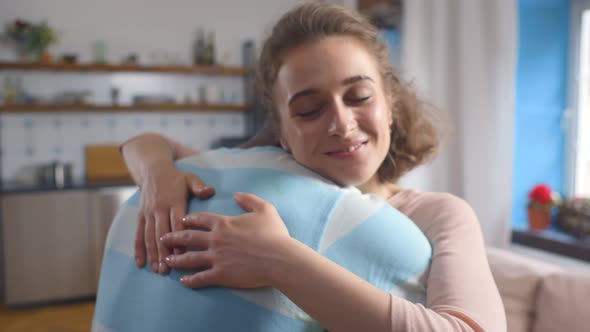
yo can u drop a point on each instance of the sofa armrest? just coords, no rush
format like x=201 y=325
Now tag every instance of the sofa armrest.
x=518 y=279
x=563 y=302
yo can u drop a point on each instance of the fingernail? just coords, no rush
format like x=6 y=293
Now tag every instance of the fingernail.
x=183 y=280
x=137 y=261
x=169 y=259
x=162 y=267
x=162 y=238
x=154 y=266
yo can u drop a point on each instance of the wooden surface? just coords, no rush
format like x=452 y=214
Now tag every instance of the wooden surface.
x=104 y=162
x=73 y=317
x=121 y=108
x=174 y=69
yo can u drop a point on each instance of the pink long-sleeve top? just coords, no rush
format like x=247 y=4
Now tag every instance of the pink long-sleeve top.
x=461 y=294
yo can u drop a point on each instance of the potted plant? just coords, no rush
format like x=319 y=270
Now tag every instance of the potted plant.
x=542 y=200
x=29 y=39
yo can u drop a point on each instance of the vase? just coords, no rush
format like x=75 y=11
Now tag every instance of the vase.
x=539 y=219
x=23 y=53
x=27 y=54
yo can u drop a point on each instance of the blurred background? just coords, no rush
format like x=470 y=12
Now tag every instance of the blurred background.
x=78 y=78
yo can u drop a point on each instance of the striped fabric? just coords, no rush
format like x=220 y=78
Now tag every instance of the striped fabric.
x=360 y=232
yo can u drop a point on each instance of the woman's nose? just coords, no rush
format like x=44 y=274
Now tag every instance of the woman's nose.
x=342 y=121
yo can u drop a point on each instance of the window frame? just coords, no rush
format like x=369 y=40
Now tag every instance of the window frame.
x=571 y=115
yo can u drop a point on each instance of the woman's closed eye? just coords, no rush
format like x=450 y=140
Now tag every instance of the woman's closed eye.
x=358 y=100
x=308 y=113
x=358 y=95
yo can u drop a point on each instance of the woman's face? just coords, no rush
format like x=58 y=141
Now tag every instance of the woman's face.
x=334 y=115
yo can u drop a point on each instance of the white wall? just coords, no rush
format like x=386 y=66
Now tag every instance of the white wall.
x=156 y=31
x=148 y=27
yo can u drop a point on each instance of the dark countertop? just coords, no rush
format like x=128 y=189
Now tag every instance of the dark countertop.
x=8 y=188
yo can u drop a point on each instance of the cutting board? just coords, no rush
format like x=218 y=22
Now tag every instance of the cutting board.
x=104 y=163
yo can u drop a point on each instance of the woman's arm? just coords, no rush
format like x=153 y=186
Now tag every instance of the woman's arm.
x=461 y=292
x=254 y=250
x=150 y=159
x=144 y=151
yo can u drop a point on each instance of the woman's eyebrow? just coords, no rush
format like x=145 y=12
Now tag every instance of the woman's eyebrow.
x=354 y=79
x=305 y=92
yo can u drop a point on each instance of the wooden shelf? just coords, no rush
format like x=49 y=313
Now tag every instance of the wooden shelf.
x=113 y=68
x=11 y=108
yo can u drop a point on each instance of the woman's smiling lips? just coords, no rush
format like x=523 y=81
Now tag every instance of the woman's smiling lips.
x=348 y=150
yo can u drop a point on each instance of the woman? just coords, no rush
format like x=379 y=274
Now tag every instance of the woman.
x=337 y=106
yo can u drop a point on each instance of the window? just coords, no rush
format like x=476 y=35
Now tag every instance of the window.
x=541 y=98
x=578 y=115
x=552 y=114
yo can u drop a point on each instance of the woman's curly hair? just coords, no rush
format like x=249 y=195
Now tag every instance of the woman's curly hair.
x=414 y=137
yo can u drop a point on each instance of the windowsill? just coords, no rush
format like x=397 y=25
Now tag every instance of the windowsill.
x=555 y=242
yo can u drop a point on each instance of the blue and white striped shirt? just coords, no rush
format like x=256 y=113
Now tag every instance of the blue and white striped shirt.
x=360 y=232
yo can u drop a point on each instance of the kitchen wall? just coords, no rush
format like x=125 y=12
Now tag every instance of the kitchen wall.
x=157 y=32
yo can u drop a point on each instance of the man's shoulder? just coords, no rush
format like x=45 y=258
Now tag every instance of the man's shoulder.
x=263 y=159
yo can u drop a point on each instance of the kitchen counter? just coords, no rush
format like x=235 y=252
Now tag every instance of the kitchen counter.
x=58 y=234
x=7 y=188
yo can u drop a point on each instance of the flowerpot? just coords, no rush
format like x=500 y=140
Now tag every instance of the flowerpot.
x=46 y=58
x=538 y=219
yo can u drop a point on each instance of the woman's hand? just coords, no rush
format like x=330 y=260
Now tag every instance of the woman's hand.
x=164 y=195
x=237 y=251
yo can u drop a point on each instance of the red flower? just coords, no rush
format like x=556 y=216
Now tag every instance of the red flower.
x=20 y=24
x=541 y=193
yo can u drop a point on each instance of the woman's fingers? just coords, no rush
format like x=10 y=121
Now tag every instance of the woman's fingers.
x=140 y=241
x=250 y=202
x=150 y=242
x=203 y=220
x=186 y=238
x=200 y=279
x=189 y=260
x=176 y=214
x=162 y=228
x=198 y=187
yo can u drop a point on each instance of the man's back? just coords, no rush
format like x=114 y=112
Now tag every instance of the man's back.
x=352 y=229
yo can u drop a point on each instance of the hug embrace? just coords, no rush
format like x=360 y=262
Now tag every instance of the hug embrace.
x=304 y=228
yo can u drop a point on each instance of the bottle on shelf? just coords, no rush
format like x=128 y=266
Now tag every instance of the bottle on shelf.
x=199 y=48
x=210 y=49
x=11 y=91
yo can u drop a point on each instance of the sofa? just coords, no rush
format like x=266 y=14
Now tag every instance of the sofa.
x=540 y=296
